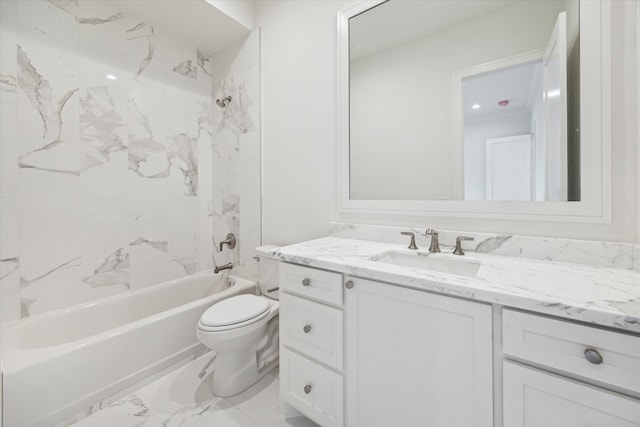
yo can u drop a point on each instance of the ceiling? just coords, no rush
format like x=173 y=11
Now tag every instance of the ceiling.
x=514 y=84
x=194 y=21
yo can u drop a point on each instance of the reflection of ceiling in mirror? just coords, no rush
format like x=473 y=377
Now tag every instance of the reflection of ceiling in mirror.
x=514 y=84
x=399 y=21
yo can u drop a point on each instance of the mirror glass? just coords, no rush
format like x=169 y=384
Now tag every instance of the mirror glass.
x=465 y=100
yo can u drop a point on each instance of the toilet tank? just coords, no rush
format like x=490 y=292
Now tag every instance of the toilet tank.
x=268 y=270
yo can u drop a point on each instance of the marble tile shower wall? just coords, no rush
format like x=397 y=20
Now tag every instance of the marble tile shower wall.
x=236 y=152
x=107 y=156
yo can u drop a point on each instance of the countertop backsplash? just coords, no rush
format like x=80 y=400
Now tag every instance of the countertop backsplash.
x=586 y=252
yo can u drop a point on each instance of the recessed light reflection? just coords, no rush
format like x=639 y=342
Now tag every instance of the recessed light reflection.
x=111 y=77
x=475 y=106
x=554 y=93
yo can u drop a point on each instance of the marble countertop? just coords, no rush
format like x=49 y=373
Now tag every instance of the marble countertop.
x=600 y=295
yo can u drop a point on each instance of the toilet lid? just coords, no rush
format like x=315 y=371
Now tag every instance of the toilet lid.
x=234 y=310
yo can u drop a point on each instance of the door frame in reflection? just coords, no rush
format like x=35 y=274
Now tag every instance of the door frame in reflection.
x=458 y=78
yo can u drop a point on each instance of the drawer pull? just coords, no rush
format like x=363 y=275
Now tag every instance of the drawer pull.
x=592 y=355
x=307 y=388
x=348 y=284
x=307 y=329
x=306 y=282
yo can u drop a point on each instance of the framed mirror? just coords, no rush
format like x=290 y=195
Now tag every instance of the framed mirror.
x=475 y=108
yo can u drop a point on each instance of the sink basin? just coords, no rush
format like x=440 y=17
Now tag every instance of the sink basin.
x=434 y=262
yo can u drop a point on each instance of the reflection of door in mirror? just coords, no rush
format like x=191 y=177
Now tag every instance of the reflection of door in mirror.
x=508 y=168
x=555 y=111
x=526 y=93
x=497 y=107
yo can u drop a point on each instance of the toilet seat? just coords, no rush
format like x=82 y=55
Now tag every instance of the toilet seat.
x=234 y=312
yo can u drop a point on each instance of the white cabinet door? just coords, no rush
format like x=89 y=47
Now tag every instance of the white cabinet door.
x=416 y=358
x=534 y=398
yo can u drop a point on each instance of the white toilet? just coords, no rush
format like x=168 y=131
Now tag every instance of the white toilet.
x=243 y=331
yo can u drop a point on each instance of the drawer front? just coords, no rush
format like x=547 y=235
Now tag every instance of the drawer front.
x=310 y=282
x=562 y=345
x=537 y=398
x=311 y=389
x=312 y=329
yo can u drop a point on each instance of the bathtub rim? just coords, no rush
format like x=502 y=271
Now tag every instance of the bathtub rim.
x=14 y=358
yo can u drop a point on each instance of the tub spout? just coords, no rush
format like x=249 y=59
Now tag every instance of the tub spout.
x=227 y=266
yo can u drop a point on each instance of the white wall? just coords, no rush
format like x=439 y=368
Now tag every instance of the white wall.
x=400 y=131
x=299 y=133
x=299 y=117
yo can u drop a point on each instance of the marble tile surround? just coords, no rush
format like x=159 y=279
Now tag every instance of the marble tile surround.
x=108 y=184
x=586 y=252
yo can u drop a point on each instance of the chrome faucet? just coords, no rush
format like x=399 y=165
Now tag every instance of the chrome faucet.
x=227 y=266
x=412 y=245
x=458 y=250
x=435 y=245
x=230 y=241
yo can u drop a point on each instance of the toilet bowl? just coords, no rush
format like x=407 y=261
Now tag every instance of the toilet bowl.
x=243 y=331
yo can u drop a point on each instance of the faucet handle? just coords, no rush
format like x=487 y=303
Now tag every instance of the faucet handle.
x=458 y=250
x=230 y=240
x=435 y=244
x=412 y=245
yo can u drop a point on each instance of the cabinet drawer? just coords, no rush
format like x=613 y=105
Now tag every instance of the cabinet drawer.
x=310 y=282
x=311 y=389
x=537 y=398
x=562 y=345
x=312 y=328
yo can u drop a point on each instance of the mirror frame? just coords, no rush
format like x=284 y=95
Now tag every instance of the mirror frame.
x=595 y=137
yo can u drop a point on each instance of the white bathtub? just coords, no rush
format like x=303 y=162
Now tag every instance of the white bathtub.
x=59 y=363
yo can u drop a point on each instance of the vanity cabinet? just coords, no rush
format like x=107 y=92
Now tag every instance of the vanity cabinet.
x=585 y=361
x=311 y=343
x=415 y=358
x=362 y=353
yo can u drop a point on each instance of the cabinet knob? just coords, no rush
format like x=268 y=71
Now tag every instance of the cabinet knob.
x=348 y=284
x=307 y=388
x=306 y=282
x=592 y=355
x=307 y=329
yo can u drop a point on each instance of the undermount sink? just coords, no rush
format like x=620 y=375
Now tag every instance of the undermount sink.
x=434 y=262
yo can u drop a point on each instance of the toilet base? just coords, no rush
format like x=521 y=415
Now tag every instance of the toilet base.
x=236 y=371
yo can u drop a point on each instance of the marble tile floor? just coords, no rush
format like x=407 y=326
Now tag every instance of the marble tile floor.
x=181 y=398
